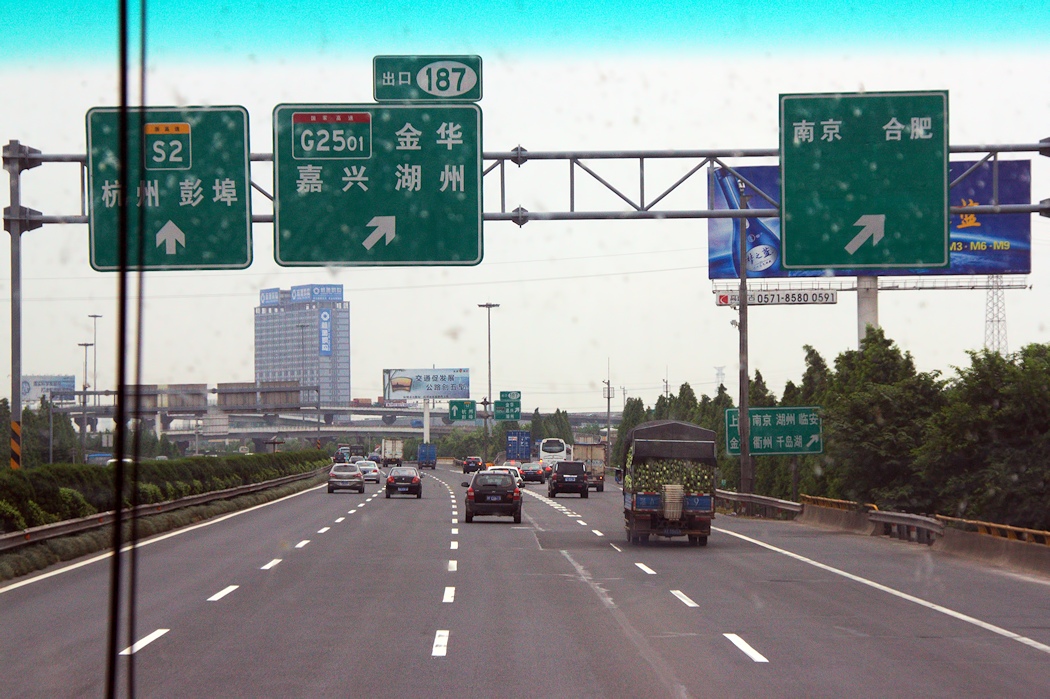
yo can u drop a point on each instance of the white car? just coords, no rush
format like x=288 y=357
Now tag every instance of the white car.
x=371 y=470
x=512 y=470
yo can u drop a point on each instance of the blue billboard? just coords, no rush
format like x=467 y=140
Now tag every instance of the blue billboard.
x=316 y=292
x=979 y=243
x=270 y=297
x=324 y=329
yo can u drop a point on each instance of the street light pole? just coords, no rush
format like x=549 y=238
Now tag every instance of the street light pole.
x=488 y=310
x=83 y=422
x=94 y=353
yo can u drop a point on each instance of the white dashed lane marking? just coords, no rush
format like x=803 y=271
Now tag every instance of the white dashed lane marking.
x=271 y=564
x=685 y=598
x=453 y=565
x=747 y=649
x=139 y=645
x=450 y=595
x=440 y=643
x=302 y=543
x=222 y=593
x=645 y=569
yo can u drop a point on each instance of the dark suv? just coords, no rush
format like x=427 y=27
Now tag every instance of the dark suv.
x=473 y=463
x=492 y=493
x=568 y=477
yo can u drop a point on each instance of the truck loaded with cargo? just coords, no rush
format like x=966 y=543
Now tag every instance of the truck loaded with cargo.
x=427 y=456
x=669 y=481
x=393 y=451
x=593 y=456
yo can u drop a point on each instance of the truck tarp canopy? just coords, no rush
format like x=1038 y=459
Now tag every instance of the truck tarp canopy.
x=672 y=439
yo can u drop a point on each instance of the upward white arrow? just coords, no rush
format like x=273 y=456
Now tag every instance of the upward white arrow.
x=169 y=235
x=874 y=228
x=384 y=225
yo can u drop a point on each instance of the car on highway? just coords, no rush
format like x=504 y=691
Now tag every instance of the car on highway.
x=492 y=492
x=533 y=471
x=473 y=463
x=512 y=470
x=374 y=456
x=568 y=477
x=346 y=476
x=371 y=470
x=404 y=480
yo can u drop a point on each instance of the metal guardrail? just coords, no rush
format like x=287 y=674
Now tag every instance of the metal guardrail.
x=12 y=540
x=751 y=504
x=1002 y=531
x=907 y=527
x=835 y=504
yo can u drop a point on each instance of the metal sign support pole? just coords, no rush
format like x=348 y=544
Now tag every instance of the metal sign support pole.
x=16 y=220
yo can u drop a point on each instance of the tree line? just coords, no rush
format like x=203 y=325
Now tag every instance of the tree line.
x=974 y=445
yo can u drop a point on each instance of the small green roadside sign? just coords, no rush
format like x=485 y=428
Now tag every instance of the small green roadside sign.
x=188 y=181
x=426 y=78
x=777 y=431
x=864 y=180
x=377 y=185
x=510 y=395
x=462 y=410
x=507 y=410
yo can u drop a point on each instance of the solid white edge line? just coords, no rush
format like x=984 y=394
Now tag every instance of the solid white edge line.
x=896 y=593
x=440 y=647
x=453 y=565
x=645 y=569
x=139 y=645
x=302 y=543
x=685 y=598
x=450 y=595
x=222 y=593
x=746 y=648
x=147 y=542
x=271 y=564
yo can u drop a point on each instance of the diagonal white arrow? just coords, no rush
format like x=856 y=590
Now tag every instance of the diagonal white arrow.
x=384 y=225
x=169 y=235
x=874 y=226
x=813 y=439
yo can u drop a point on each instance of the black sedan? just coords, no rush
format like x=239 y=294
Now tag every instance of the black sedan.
x=493 y=493
x=404 y=480
x=533 y=471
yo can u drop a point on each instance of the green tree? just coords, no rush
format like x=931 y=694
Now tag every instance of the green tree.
x=5 y=433
x=684 y=405
x=875 y=420
x=634 y=414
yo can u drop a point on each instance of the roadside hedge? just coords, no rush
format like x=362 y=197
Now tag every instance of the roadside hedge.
x=55 y=492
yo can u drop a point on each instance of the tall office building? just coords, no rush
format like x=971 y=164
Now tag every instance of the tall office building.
x=303 y=334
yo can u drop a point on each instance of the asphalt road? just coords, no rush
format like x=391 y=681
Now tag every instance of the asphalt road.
x=346 y=595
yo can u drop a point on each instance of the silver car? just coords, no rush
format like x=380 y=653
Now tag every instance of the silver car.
x=371 y=471
x=346 y=476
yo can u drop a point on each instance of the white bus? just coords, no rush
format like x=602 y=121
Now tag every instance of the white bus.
x=553 y=449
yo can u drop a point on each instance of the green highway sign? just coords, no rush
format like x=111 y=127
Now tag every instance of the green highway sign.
x=510 y=395
x=462 y=410
x=377 y=185
x=864 y=180
x=188 y=182
x=507 y=410
x=777 y=431
x=426 y=78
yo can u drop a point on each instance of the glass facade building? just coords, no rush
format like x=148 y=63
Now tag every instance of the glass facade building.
x=303 y=334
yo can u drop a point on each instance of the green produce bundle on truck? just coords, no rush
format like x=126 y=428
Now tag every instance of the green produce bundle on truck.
x=669 y=481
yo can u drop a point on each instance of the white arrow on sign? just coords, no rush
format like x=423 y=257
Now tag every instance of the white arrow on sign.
x=813 y=439
x=169 y=236
x=874 y=228
x=384 y=225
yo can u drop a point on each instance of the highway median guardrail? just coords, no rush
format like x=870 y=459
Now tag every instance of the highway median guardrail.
x=32 y=535
x=750 y=504
x=907 y=527
x=1002 y=531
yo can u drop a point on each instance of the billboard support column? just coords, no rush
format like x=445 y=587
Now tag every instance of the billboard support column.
x=426 y=420
x=867 y=306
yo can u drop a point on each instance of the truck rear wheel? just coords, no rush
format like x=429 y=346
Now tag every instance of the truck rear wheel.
x=701 y=541
x=601 y=488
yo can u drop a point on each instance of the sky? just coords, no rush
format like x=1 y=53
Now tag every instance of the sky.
x=580 y=302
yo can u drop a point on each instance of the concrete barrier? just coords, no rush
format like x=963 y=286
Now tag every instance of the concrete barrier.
x=833 y=518
x=995 y=550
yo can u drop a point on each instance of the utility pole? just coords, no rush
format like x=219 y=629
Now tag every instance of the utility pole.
x=608 y=390
x=746 y=475
x=94 y=353
x=488 y=399
x=83 y=421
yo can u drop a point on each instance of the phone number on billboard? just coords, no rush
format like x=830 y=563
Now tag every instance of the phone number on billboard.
x=763 y=298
